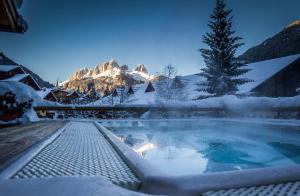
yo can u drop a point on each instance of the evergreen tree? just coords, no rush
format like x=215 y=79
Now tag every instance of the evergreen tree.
x=222 y=69
x=177 y=89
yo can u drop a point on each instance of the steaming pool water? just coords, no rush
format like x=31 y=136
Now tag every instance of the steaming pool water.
x=185 y=147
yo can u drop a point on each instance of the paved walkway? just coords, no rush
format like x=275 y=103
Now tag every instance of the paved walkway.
x=80 y=150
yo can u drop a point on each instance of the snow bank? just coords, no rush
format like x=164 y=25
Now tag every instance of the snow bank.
x=234 y=103
x=230 y=102
x=23 y=93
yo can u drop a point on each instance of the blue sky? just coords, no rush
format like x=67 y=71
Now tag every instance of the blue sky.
x=64 y=36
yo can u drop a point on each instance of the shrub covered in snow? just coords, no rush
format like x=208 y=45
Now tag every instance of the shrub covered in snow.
x=10 y=108
x=18 y=99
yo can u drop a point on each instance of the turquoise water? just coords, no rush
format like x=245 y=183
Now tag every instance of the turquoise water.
x=184 y=147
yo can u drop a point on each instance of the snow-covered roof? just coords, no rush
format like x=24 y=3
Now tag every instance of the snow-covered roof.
x=17 y=77
x=72 y=92
x=6 y=68
x=22 y=91
x=43 y=93
x=261 y=71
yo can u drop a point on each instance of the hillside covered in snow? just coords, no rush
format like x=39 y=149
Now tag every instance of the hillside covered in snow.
x=260 y=75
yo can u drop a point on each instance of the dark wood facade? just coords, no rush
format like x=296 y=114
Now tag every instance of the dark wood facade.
x=60 y=95
x=50 y=97
x=115 y=93
x=149 y=88
x=130 y=91
x=63 y=96
x=282 y=84
x=73 y=95
x=28 y=80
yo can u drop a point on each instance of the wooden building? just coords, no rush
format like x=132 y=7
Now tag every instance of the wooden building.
x=61 y=95
x=24 y=78
x=10 y=19
x=65 y=97
x=73 y=95
x=273 y=78
x=8 y=71
x=47 y=94
x=149 y=88
x=130 y=91
x=282 y=84
x=115 y=93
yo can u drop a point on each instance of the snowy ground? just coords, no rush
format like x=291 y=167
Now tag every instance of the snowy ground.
x=259 y=72
x=229 y=102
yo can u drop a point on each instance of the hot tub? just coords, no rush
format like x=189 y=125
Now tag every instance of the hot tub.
x=191 y=147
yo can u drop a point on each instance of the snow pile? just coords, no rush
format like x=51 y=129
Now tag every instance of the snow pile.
x=23 y=93
x=234 y=103
x=229 y=102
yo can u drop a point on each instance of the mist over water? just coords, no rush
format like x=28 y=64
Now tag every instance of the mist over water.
x=187 y=147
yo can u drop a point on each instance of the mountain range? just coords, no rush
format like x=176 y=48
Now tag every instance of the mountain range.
x=106 y=76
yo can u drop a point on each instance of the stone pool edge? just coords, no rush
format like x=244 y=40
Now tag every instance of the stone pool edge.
x=155 y=181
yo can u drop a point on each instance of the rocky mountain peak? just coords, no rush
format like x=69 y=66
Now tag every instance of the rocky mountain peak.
x=295 y=23
x=104 y=67
x=97 y=78
x=80 y=74
x=141 y=68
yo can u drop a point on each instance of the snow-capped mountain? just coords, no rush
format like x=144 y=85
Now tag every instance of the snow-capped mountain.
x=105 y=76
